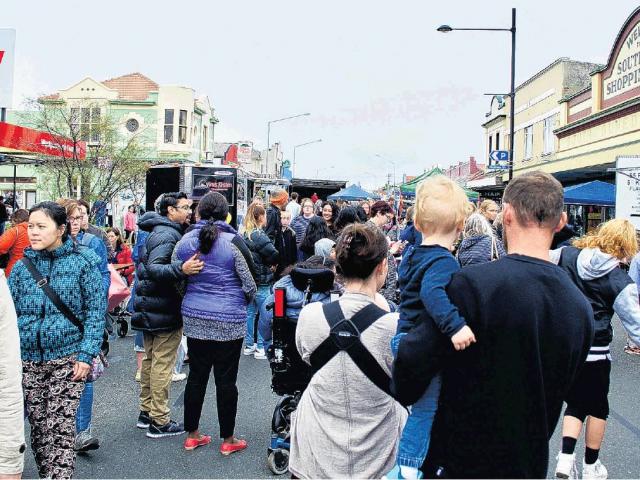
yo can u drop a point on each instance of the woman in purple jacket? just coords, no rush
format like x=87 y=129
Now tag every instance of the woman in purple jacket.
x=214 y=310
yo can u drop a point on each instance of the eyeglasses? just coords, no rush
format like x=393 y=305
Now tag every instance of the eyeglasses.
x=186 y=208
x=76 y=219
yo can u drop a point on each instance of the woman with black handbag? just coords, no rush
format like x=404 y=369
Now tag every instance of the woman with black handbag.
x=60 y=305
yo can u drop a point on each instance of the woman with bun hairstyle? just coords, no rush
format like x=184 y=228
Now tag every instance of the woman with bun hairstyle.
x=214 y=309
x=345 y=426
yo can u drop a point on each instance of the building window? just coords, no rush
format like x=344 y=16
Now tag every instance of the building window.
x=85 y=122
x=497 y=140
x=205 y=133
x=168 y=126
x=490 y=143
x=547 y=135
x=182 y=131
x=528 y=142
x=133 y=125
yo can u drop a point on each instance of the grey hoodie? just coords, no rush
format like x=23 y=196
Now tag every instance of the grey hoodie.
x=602 y=281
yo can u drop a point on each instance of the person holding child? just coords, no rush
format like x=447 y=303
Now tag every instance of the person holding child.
x=440 y=211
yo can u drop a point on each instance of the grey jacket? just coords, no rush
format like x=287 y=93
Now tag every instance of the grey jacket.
x=11 y=406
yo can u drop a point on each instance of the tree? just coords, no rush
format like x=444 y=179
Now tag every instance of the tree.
x=115 y=162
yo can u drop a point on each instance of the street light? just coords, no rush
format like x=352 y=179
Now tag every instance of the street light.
x=512 y=94
x=269 y=133
x=392 y=162
x=293 y=170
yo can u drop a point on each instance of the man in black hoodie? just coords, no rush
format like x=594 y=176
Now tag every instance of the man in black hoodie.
x=501 y=397
x=157 y=310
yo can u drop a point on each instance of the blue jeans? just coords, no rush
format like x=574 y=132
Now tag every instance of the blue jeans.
x=83 y=415
x=138 y=342
x=253 y=309
x=414 y=442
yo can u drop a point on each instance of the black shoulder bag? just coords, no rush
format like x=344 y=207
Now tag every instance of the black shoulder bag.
x=345 y=336
x=42 y=283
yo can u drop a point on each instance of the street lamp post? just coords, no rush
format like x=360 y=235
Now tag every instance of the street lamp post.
x=269 y=134
x=295 y=147
x=512 y=93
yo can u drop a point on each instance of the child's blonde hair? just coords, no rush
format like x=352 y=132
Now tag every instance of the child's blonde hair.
x=252 y=218
x=285 y=213
x=616 y=237
x=441 y=206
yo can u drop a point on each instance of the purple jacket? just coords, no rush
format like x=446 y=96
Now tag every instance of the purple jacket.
x=216 y=292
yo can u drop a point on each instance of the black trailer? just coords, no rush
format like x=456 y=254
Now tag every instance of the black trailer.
x=195 y=180
x=323 y=188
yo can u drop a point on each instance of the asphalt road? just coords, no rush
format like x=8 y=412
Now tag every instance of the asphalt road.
x=125 y=452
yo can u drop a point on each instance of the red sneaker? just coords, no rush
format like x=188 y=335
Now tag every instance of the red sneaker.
x=229 y=448
x=193 y=443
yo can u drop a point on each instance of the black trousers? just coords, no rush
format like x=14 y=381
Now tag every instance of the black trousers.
x=224 y=358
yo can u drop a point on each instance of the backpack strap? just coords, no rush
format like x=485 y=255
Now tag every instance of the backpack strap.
x=43 y=283
x=345 y=337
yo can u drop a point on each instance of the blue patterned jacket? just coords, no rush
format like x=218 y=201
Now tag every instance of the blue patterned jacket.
x=45 y=333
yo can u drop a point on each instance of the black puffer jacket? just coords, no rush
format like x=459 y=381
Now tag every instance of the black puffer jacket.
x=274 y=228
x=157 y=301
x=264 y=255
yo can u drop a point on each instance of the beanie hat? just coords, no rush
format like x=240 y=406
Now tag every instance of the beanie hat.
x=279 y=197
x=323 y=247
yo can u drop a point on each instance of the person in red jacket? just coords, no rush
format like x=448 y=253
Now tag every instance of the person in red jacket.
x=15 y=240
x=121 y=254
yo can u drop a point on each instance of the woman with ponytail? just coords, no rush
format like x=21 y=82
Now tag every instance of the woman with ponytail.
x=214 y=310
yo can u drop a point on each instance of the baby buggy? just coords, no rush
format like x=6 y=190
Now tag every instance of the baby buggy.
x=290 y=375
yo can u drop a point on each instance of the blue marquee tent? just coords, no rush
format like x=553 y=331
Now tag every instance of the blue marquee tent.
x=591 y=193
x=351 y=193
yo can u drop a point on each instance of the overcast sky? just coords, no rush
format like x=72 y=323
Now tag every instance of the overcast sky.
x=380 y=82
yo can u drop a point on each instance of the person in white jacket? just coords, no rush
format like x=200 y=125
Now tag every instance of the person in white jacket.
x=11 y=408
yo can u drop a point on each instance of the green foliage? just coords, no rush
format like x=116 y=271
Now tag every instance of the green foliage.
x=116 y=160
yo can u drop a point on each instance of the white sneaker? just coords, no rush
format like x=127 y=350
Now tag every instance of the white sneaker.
x=178 y=377
x=249 y=349
x=260 y=354
x=594 y=471
x=566 y=467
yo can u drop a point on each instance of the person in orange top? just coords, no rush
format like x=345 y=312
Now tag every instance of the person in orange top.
x=16 y=239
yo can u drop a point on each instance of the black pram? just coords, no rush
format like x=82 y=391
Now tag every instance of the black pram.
x=290 y=375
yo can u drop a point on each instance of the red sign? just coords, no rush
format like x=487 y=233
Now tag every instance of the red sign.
x=34 y=141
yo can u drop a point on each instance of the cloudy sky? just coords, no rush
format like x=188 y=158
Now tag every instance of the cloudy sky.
x=381 y=84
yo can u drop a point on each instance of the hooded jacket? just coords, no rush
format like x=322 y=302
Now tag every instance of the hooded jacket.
x=157 y=301
x=264 y=255
x=45 y=333
x=477 y=250
x=608 y=288
x=216 y=293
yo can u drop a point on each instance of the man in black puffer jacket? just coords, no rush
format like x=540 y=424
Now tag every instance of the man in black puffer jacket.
x=157 y=310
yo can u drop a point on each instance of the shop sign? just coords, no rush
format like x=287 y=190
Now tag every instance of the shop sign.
x=7 y=55
x=625 y=73
x=23 y=139
x=244 y=152
x=628 y=189
x=221 y=180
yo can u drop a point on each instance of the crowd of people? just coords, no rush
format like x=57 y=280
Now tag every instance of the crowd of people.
x=444 y=327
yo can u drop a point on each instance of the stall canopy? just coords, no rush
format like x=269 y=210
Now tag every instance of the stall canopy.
x=351 y=193
x=409 y=189
x=591 y=193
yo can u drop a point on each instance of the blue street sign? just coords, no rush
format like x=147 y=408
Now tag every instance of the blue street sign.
x=499 y=160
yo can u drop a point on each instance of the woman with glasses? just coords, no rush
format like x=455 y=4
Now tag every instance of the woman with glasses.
x=301 y=222
x=84 y=439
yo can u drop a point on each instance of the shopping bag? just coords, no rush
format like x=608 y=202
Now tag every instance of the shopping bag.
x=118 y=290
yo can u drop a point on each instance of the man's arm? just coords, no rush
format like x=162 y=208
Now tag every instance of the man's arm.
x=159 y=264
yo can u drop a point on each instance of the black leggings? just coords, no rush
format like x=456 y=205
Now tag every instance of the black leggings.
x=224 y=357
x=588 y=395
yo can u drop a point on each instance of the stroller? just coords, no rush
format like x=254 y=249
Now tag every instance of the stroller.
x=290 y=375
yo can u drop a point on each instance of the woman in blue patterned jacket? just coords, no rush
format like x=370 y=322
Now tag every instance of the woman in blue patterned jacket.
x=56 y=353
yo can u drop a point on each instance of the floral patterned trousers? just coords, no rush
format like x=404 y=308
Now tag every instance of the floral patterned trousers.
x=52 y=400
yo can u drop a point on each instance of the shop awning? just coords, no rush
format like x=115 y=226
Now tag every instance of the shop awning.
x=591 y=193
